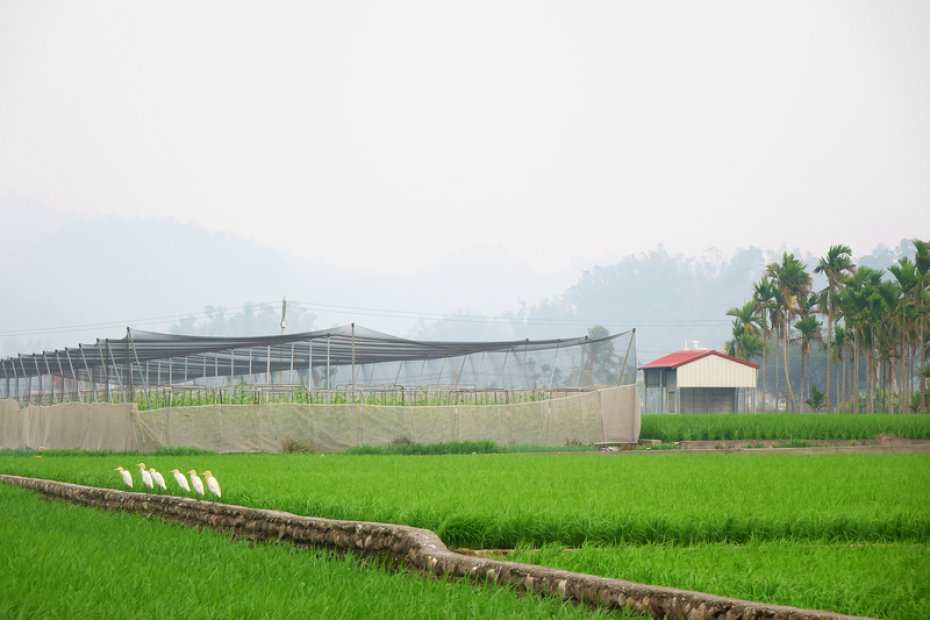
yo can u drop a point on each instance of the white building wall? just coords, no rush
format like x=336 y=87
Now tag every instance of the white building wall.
x=714 y=371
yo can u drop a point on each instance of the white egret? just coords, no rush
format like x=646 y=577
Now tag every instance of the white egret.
x=196 y=482
x=181 y=480
x=158 y=478
x=146 y=476
x=127 y=477
x=212 y=484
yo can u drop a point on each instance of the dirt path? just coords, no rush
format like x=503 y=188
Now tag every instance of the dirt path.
x=881 y=445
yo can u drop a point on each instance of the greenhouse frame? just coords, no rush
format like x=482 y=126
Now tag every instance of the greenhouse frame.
x=351 y=361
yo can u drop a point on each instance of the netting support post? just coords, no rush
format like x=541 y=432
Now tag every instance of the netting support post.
x=327 y=364
x=77 y=377
x=61 y=371
x=51 y=379
x=6 y=381
x=19 y=387
x=480 y=366
x=106 y=365
x=555 y=358
x=290 y=378
x=268 y=365
x=584 y=349
x=353 y=363
x=310 y=364
x=90 y=373
x=119 y=376
x=135 y=353
x=504 y=368
x=625 y=357
x=129 y=385
x=35 y=360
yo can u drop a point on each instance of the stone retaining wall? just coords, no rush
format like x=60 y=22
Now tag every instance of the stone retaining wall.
x=420 y=550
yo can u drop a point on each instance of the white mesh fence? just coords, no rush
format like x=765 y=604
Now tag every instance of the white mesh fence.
x=610 y=415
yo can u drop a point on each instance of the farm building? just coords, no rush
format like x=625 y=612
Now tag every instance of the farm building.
x=699 y=381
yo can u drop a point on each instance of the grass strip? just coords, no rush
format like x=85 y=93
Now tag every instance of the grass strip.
x=67 y=561
x=783 y=426
x=503 y=500
x=882 y=580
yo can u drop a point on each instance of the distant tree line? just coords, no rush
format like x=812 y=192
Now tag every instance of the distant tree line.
x=870 y=326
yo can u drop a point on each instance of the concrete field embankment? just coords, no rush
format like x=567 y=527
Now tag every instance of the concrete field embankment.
x=419 y=550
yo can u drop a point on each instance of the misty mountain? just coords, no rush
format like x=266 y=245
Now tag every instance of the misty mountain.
x=71 y=280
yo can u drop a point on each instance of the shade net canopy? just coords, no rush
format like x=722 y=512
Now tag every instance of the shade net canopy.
x=324 y=359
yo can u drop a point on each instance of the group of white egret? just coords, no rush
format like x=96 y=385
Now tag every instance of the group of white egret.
x=152 y=478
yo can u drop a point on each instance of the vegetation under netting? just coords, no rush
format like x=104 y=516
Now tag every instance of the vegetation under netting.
x=160 y=398
x=786 y=426
x=761 y=510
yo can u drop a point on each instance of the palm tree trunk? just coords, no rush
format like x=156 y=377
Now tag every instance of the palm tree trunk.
x=765 y=354
x=789 y=395
x=845 y=386
x=829 y=404
x=855 y=391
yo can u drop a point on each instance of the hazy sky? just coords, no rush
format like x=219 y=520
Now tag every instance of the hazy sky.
x=388 y=134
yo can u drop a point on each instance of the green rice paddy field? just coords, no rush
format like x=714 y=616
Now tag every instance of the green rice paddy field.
x=845 y=532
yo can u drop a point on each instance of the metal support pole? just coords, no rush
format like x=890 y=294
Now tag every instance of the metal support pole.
x=61 y=370
x=119 y=376
x=250 y=364
x=290 y=378
x=558 y=343
x=504 y=368
x=584 y=349
x=35 y=358
x=458 y=377
x=268 y=365
x=310 y=364
x=27 y=381
x=400 y=367
x=145 y=387
x=77 y=378
x=129 y=385
x=353 y=362
x=20 y=386
x=5 y=392
x=90 y=373
x=327 y=363
x=526 y=349
x=625 y=356
x=106 y=367
x=19 y=389
x=51 y=379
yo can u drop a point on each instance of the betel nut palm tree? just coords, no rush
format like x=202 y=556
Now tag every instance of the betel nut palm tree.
x=763 y=296
x=835 y=265
x=791 y=280
x=746 y=342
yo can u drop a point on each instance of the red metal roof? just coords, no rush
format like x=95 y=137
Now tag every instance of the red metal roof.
x=680 y=358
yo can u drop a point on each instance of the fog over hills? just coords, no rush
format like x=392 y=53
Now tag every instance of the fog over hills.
x=91 y=277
